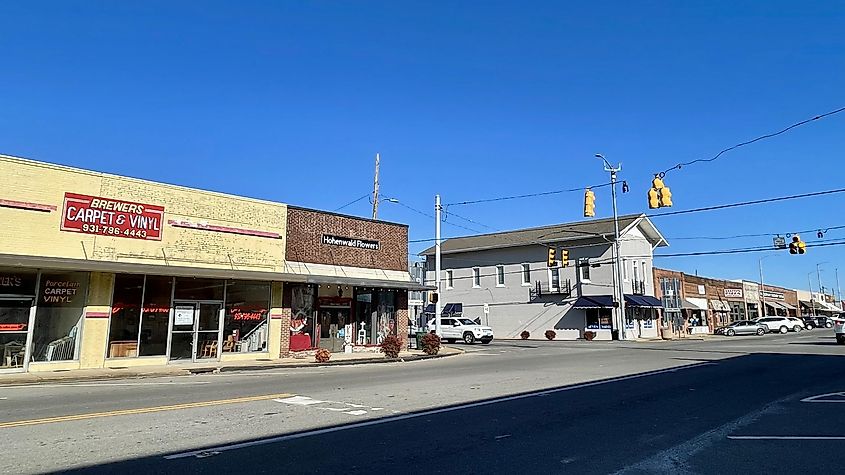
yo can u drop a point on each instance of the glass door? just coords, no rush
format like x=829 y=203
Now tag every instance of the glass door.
x=208 y=331
x=14 y=326
x=195 y=331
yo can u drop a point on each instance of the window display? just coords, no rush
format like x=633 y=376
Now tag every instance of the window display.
x=61 y=301
x=246 y=325
x=302 y=302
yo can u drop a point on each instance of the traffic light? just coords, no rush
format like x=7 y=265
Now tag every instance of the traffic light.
x=589 y=203
x=797 y=246
x=665 y=197
x=653 y=198
x=433 y=297
x=659 y=196
x=564 y=257
x=552 y=260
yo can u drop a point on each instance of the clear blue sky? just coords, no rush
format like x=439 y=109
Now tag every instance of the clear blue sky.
x=289 y=101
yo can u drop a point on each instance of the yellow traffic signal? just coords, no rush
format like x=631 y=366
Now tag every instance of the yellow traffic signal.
x=653 y=198
x=797 y=246
x=589 y=203
x=659 y=196
x=665 y=197
x=552 y=260
x=657 y=183
x=564 y=257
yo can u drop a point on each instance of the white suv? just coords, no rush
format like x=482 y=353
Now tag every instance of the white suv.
x=779 y=324
x=460 y=328
x=839 y=328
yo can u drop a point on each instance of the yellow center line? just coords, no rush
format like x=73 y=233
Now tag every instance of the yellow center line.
x=140 y=410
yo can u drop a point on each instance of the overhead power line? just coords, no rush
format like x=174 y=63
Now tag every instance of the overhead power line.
x=352 y=202
x=746 y=203
x=528 y=195
x=757 y=139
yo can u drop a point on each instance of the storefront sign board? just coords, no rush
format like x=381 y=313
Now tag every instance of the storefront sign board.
x=332 y=240
x=737 y=293
x=108 y=217
x=772 y=295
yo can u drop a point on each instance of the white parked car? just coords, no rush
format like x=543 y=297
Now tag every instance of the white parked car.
x=799 y=324
x=839 y=328
x=461 y=328
x=779 y=324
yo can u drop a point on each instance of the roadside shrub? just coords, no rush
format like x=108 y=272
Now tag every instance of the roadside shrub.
x=550 y=334
x=524 y=335
x=391 y=346
x=322 y=355
x=589 y=336
x=431 y=344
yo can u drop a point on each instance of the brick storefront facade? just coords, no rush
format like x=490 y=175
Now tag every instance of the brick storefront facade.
x=305 y=232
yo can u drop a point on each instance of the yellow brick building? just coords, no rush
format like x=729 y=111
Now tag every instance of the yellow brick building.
x=98 y=270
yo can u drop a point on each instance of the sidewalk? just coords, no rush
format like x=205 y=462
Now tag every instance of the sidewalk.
x=186 y=369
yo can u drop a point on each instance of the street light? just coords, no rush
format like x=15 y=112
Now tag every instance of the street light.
x=619 y=287
x=812 y=298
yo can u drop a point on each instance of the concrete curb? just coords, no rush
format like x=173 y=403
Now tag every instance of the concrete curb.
x=31 y=379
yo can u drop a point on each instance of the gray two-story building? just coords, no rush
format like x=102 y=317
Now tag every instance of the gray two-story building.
x=507 y=274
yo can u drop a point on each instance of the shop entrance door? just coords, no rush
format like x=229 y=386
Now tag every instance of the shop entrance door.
x=14 y=326
x=195 y=333
x=332 y=323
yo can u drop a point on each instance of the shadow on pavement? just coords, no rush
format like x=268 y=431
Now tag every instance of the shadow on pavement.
x=596 y=427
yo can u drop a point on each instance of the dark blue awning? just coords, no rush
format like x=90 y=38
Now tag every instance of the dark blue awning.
x=594 y=301
x=448 y=309
x=453 y=309
x=645 y=301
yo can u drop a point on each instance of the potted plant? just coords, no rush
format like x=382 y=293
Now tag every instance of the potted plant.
x=524 y=335
x=391 y=346
x=588 y=335
x=550 y=334
x=430 y=344
x=322 y=355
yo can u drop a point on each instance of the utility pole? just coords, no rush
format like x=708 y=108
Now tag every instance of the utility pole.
x=762 y=289
x=812 y=297
x=618 y=261
x=437 y=209
x=838 y=291
x=375 y=190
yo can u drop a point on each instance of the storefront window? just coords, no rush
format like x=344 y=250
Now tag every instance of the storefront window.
x=125 y=315
x=737 y=311
x=14 y=322
x=386 y=323
x=599 y=318
x=302 y=301
x=246 y=324
x=17 y=289
x=155 y=315
x=58 y=320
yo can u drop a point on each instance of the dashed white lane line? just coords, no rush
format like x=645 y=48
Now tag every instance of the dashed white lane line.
x=402 y=417
x=348 y=408
x=299 y=400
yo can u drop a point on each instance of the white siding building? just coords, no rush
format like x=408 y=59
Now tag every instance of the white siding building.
x=508 y=271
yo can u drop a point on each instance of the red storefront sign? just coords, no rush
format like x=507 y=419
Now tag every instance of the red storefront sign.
x=108 y=217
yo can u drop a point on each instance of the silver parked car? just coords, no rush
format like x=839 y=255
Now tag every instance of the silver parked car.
x=745 y=327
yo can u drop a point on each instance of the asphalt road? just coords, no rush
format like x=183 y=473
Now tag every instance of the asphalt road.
x=733 y=405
